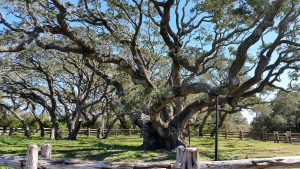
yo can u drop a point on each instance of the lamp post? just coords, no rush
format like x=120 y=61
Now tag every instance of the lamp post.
x=217 y=130
x=189 y=132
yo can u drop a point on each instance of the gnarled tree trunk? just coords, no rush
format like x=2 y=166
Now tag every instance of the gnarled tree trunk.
x=74 y=129
x=152 y=139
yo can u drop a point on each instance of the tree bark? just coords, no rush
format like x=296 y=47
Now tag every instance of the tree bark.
x=42 y=129
x=73 y=130
x=221 y=122
x=169 y=140
x=201 y=126
x=109 y=128
x=57 y=133
x=26 y=128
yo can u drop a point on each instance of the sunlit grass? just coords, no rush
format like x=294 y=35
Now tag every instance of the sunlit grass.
x=5 y=167
x=127 y=148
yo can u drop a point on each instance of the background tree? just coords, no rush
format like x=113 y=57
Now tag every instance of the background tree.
x=281 y=114
x=30 y=76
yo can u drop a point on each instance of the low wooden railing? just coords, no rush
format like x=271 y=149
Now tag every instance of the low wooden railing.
x=277 y=137
x=82 y=132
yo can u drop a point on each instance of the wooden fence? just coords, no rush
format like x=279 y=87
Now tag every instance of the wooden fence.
x=82 y=132
x=277 y=137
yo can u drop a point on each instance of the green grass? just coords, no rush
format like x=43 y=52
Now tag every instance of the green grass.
x=126 y=149
x=5 y=167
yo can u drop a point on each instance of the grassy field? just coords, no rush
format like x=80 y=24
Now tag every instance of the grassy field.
x=126 y=149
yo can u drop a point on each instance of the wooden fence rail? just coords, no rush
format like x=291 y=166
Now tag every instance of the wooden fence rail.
x=275 y=136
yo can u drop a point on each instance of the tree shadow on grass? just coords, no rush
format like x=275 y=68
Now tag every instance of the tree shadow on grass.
x=99 y=151
x=117 y=147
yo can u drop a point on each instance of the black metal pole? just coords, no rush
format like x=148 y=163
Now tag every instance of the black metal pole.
x=189 y=132
x=217 y=130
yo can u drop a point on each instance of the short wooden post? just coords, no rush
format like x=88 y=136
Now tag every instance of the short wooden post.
x=187 y=157
x=88 y=132
x=241 y=134
x=226 y=134
x=180 y=154
x=98 y=132
x=264 y=135
x=129 y=132
x=52 y=134
x=32 y=157
x=116 y=132
x=192 y=158
x=11 y=131
x=46 y=150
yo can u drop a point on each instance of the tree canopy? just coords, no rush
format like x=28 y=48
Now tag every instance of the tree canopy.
x=179 y=54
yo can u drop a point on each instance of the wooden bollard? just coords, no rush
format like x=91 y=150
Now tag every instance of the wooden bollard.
x=52 y=134
x=46 y=150
x=241 y=135
x=226 y=135
x=98 y=132
x=180 y=154
x=11 y=131
x=187 y=158
x=32 y=157
x=191 y=160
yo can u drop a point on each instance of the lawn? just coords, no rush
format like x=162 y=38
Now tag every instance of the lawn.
x=126 y=148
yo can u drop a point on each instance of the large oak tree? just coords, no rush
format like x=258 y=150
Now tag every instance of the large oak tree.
x=168 y=47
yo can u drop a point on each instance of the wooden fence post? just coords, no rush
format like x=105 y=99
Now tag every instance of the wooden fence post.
x=88 y=132
x=11 y=131
x=129 y=132
x=52 y=134
x=32 y=157
x=264 y=135
x=276 y=139
x=46 y=151
x=289 y=136
x=241 y=134
x=226 y=136
x=98 y=132
x=4 y=130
